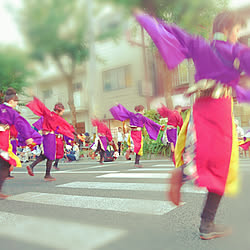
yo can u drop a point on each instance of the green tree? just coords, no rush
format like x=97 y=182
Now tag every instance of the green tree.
x=56 y=30
x=194 y=15
x=14 y=70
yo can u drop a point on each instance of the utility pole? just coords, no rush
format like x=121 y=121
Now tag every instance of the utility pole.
x=91 y=75
x=146 y=78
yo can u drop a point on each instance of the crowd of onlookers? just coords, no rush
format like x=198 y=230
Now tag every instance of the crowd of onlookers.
x=73 y=150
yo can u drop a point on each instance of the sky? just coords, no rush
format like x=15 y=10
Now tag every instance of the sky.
x=9 y=30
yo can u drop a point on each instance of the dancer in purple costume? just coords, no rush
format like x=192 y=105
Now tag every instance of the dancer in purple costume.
x=49 y=122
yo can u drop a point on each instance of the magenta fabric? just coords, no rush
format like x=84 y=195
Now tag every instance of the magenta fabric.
x=174 y=118
x=137 y=139
x=213 y=126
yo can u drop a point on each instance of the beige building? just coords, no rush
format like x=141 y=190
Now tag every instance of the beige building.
x=119 y=79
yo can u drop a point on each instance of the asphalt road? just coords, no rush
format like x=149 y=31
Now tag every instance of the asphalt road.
x=114 y=207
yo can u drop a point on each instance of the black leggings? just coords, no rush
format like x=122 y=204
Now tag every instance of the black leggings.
x=102 y=152
x=4 y=171
x=210 y=207
x=137 y=159
x=41 y=158
x=56 y=163
x=119 y=147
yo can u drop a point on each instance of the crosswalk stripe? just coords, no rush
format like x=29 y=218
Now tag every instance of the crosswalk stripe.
x=128 y=186
x=136 y=175
x=68 y=172
x=48 y=232
x=152 y=207
x=164 y=165
x=151 y=169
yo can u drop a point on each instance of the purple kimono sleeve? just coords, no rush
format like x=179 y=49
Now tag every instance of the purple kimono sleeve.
x=38 y=124
x=243 y=95
x=23 y=127
x=34 y=135
x=120 y=113
x=152 y=128
x=243 y=54
x=173 y=46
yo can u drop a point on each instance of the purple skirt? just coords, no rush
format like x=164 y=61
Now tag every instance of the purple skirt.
x=104 y=142
x=172 y=135
x=49 y=146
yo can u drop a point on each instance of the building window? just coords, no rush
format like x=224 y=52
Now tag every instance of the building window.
x=77 y=86
x=118 y=78
x=77 y=99
x=47 y=93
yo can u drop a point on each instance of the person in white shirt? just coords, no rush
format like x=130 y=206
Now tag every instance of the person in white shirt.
x=239 y=130
x=120 y=139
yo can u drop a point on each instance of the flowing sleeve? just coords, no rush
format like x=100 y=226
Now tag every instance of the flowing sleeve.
x=120 y=113
x=95 y=122
x=37 y=138
x=38 y=124
x=152 y=128
x=23 y=128
x=242 y=94
x=109 y=135
x=242 y=52
x=163 y=111
x=173 y=43
x=38 y=108
x=65 y=128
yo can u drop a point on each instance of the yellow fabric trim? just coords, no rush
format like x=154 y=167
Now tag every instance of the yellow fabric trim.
x=232 y=184
x=13 y=156
x=129 y=140
x=141 y=149
x=241 y=142
x=180 y=144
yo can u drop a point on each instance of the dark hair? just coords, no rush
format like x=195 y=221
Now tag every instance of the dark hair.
x=139 y=108
x=226 y=20
x=10 y=94
x=59 y=107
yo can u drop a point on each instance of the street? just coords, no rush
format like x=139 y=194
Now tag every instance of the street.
x=114 y=207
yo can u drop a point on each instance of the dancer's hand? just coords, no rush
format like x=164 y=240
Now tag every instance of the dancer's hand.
x=29 y=141
x=137 y=11
x=30 y=92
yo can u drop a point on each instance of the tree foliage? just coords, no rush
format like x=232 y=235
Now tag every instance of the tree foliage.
x=195 y=16
x=14 y=69
x=56 y=30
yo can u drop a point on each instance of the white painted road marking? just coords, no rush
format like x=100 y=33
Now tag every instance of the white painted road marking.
x=152 y=207
x=56 y=234
x=136 y=175
x=68 y=172
x=164 y=165
x=151 y=169
x=129 y=186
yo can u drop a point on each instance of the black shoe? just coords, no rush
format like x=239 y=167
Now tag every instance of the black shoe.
x=209 y=230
